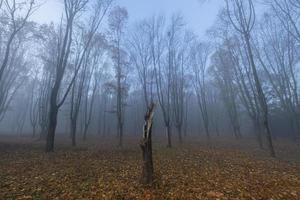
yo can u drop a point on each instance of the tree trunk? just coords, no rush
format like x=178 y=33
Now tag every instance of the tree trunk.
x=237 y=131
x=53 y=112
x=85 y=132
x=43 y=133
x=169 y=145
x=257 y=130
x=120 y=130
x=294 y=127
x=269 y=136
x=33 y=131
x=146 y=146
x=207 y=131
x=179 y=130
x=104 y=125
x=73 y=132
x=51 y=128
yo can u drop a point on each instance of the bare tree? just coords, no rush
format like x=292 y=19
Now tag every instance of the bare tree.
x=235 y=57
x=14 y=33
x=287 y=12
x=245 y=85
x=91 y=87
x=242 y=17
x=33 y=106
x=76 y=98
x=46 y=37
x=159 y=44
x=43 y=102
x=199 y=61
x=18 y=13
x=179 y=48
x=81 y=87
x=12 y=80
x=22 y=110
x=103 y=98
x=77 y=92
x=224 y=76
x=72 y=10
x=214 y=107
x=117 y=22
x=277 y=54
x=140 y=54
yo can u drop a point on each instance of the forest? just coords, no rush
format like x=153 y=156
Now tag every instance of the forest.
x=96 y=105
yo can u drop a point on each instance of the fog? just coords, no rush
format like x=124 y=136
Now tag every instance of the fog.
x=185 y=76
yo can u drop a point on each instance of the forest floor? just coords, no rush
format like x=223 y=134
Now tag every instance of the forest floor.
x=100 y=170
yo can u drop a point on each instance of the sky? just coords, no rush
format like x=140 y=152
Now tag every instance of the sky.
x=199 y=16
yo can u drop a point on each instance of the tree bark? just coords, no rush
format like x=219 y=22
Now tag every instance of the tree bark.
x=51 y=128
x=146 y=146
x=169 y=135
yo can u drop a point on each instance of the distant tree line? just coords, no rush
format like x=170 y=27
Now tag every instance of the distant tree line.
x=93 y=73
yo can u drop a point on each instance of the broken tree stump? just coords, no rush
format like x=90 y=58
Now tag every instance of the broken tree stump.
x=146 y=146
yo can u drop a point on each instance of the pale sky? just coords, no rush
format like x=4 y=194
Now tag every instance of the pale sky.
x=198 y=16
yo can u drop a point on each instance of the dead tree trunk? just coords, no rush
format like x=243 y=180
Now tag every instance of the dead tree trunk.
x=146 y=146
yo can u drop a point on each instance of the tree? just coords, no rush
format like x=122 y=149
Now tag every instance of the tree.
x=242 y=17
x=43 y=102
x=287 y=11
x=103 y=101
x=14 y=32
x=223 y=73
x=245 y=84
x=80 y=88
x=159 y=44
x=199 y=62
x=277 y=53
x=140 y=54
x=179 y=49
x=64 y=43
x=46 y=37
x=231 y=45
x=92 y=85
x=18 y=13
x=14 y=77
x=146 y=146
x=117 y=22
x=33 y=106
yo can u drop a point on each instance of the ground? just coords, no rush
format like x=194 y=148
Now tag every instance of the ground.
x=99 y=169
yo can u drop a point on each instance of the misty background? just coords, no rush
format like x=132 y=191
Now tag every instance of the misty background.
x=93 y=69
